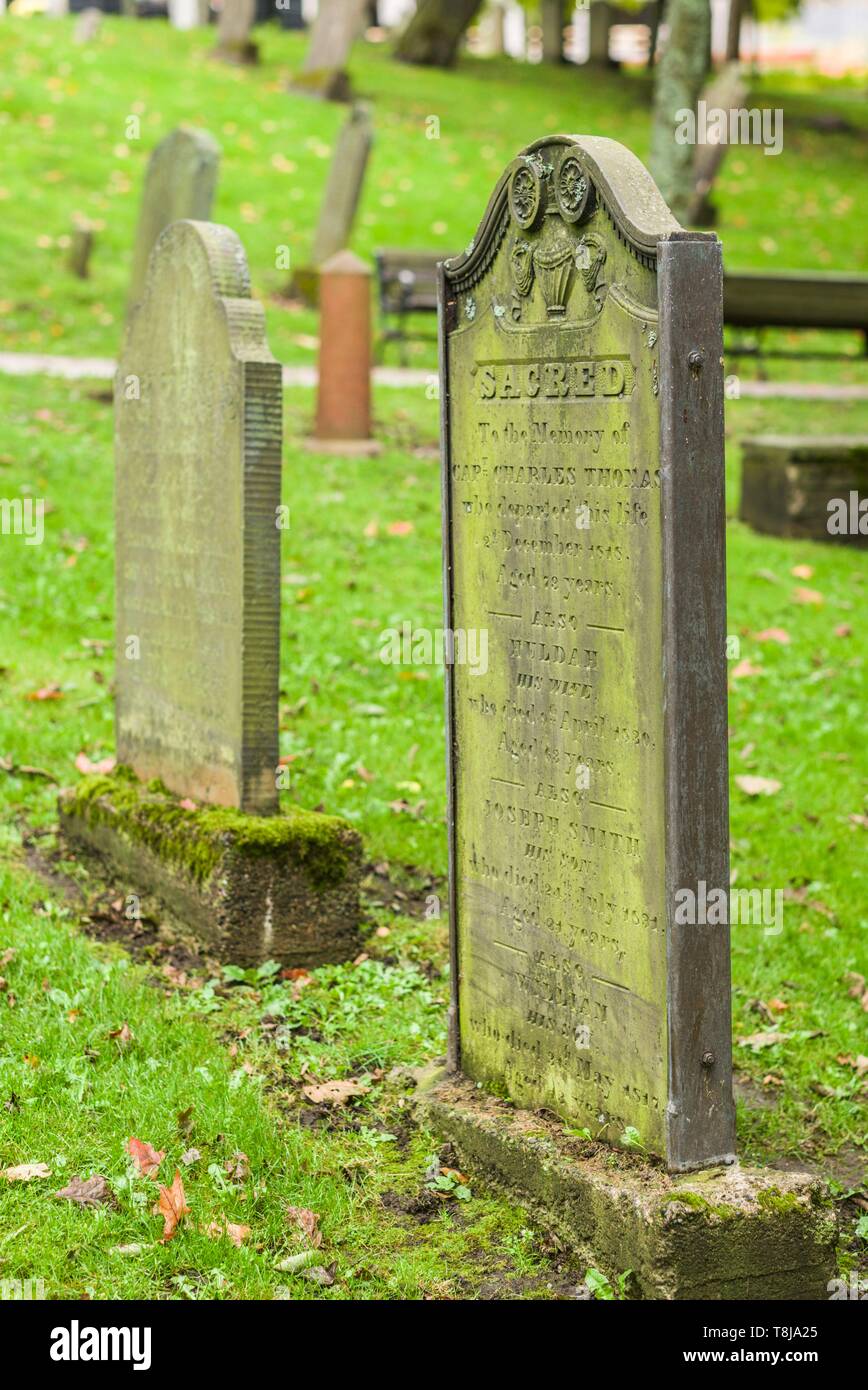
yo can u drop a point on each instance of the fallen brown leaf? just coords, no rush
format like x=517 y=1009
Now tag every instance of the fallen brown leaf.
x=237 y=1234
x=773 y=634
x=26 y=1172
x=757 y=1041
x=757 y=786
x=859 y=1064
x=335 y=1092
x=237 y=1167
x=88 y=1192
x=308 y=1222
x=172 y=1206
x=146 y=1158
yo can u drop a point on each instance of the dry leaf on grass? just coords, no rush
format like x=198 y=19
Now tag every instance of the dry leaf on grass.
x=857 y=988
x=237 y=1168
x=859 y=1064
x=308 y=1222
x=335 y=1092
x=237 y=1234
x=746 y=668
x=85 y=766
x=88 y=1192
x=146 y=1158
x=757 y=786
x=123 y=1036
x=802 y=571
x=26 y=1172
x=773 y=634
x=757 y=1041
x=172 y=1206
x=802 y=595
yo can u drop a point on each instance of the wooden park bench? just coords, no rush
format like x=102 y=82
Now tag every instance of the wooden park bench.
x=407 y=284
x=795 y=299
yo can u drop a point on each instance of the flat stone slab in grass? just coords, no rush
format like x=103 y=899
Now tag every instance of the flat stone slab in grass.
x=249 y=888
x=806 y=488
x=719 y=1233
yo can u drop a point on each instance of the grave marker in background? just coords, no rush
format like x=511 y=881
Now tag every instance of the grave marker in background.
x=340 y=200
x=198 y=423
x=583 y=423
x=197 y=446
x=179 y=183
x=343 y=413
x=337 y=25
x=234 y=45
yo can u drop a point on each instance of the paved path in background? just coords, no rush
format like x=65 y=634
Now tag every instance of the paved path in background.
x=103 y=369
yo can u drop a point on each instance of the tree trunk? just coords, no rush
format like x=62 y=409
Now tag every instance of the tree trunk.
x=733 y=30
x=552 y=15
x=678 y=82
x=435 y=31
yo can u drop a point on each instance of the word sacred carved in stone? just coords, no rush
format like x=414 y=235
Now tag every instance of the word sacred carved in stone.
x=565 y=834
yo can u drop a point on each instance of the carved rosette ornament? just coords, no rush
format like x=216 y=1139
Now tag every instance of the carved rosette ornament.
x=573 y=191
x=526 y=192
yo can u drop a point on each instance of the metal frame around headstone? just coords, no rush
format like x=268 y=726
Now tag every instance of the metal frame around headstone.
x=679 y=376
x=198 y=424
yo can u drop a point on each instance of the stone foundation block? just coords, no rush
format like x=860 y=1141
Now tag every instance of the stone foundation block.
x=245 y=888
x=722 y=1233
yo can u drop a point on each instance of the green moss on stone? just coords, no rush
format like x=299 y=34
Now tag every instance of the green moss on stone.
x=722 y=1210
x=197 y=840
x=771 y=1199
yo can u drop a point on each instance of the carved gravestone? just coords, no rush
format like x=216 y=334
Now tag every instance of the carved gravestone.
x=340 y=200
x=234 y=44
x=335 y=29
x=583 y=486
x=179 y=183
x=197 y=449
x=344 y=187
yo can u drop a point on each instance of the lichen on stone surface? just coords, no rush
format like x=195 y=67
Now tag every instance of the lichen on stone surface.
x=198 y=840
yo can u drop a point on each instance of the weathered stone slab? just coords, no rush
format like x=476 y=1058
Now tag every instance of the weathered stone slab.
x=335 y=29
x=345 y=181
x=806 y=488
x=247 y=888
x=340 y=201
x=179 y=183
x=722 y=1233
x=234 y=44
x=197 y=451
x=582 y=400
x=80 y=248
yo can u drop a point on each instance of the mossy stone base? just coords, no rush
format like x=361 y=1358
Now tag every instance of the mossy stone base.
x=247 y=888
x=788 y=481
x=720 y=1233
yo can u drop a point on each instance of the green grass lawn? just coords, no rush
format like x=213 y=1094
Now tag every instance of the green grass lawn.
x=69 y=114
x=218 y=1062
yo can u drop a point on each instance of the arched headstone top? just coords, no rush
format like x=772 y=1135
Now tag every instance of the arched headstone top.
x=205 y=261
x=571 y=180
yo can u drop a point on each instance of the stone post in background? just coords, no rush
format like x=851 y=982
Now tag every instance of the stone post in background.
x=343 y=416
